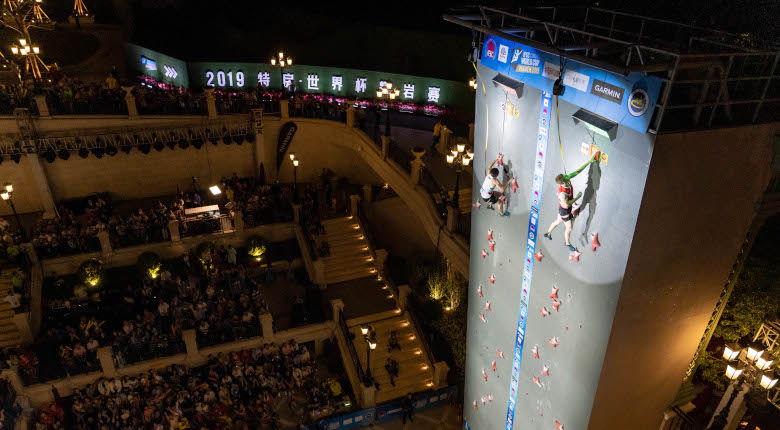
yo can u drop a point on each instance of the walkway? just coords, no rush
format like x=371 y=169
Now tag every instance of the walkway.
x=438 y=418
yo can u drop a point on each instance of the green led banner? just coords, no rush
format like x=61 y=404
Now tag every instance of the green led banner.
x=159 y=66
x=329 y=80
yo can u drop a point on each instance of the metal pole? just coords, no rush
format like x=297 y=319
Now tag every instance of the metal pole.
x=368 y=363
x=387 y=122
x=456 y=195
x=18 y=223
x=295 y=183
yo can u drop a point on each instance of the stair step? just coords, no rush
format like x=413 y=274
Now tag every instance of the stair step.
x=411 y=372
x=388 y=392
x=350 y=277
x=337 y=254
x=6 y=314
x=349 y=264
x=8 y=336
x=337 y=222
x=11 y=342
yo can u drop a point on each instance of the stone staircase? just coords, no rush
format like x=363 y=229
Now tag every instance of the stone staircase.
x=464 y=200
x=415 y=374
x=9 y=334
x=349 y=251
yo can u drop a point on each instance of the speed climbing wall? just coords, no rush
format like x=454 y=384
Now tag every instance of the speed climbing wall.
x=540 y=315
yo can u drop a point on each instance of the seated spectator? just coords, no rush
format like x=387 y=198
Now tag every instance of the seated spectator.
x=392 y=369
x=392 y=342
x=14 y=299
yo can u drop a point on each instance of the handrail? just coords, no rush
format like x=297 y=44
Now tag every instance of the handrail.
x=351 y=347
x=423 y=339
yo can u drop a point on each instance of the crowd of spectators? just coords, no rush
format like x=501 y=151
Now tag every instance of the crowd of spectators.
x=240 y=390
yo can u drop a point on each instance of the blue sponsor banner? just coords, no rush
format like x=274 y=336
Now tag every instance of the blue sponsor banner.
x=423 y=401
x=350 y=420
x=627 y=100
x=533 y=221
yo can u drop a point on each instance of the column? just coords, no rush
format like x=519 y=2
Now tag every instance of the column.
x=44 y=191
x=259 y=151
x=385 y=146
x=238 y=221
x=736 y=409
x=444 y=142
x=354 y=200
x=173 y=229
x=403 y=293
x=22 y=323
x=211 y=102
x=440 y=371
x=285 y=106
x=269 y=155
x=350 y=115
x=105 y=243
x=417 y=164
x=471 y=134
x=267 y=321
x=368 y=193
x=337 y=305
x=452 y=218
x=29 y=249
x=381 y=259
x=106 y=357
x=43 y=108
x=319 y=274
x=296 y=213
x=368 y=396
x=190 y=338
x=132 y=109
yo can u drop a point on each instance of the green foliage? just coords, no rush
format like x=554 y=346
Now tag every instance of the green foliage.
x=452 y=328
x=91 y=274
x=203 y=254
x=711 y=368
x=149 y=264
x=257 y=248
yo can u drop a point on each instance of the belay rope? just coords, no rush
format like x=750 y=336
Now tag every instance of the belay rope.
x=560 y=143
x=484 y=91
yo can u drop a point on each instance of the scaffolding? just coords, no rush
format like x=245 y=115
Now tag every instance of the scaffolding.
x=710 y=78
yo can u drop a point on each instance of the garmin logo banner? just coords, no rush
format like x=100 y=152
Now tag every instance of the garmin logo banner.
x=607 y=91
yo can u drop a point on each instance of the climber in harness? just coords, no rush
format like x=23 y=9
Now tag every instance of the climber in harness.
x=565 y=204
x=492 y=190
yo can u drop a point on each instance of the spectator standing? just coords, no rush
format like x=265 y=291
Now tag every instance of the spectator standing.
x=437 y=133
x=407 y=406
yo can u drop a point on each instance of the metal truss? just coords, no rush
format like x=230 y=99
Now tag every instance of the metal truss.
x=709 y=77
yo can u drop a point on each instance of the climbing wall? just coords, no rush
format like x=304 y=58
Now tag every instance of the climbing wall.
x=540 y=315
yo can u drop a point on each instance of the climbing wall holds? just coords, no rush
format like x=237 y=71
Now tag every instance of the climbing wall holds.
x=554 y=294
x=475 y=405
x=479 y=290
x=492 y=245
x=575 y=256
x=482 y=317
x=477 y=204
x=536 y=351
x=546 y=370
x=487 y=306
x=490 y=234
x=544 y=312
x=502 y=199
x=500 y=159
x=484 y=400
x=494 y=365
x=492 y=279
x=556 y=304
x=484 y=253
x=558 y=425
x=537 y=381
x=595 y=242
x=554 y=342
x=538 y=256
x=499 y=353
x=484 y=375
x=514 y=185
x=489 y=397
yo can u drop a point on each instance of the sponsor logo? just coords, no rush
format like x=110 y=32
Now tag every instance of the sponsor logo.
x=638 y=102
x=503 y=52
x=546 y=102
x=576 y=80
x=551 y=71
x=543 y=131
x=607 y=91
x=491 y=49
x=516 y=55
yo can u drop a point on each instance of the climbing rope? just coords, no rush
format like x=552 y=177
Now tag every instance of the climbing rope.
x=487 y=110
x=560 y=142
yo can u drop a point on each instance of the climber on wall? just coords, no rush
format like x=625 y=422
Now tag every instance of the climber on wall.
x=565 y=202
x=492 y=190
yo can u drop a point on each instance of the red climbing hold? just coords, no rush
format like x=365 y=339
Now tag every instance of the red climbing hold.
x=556 y=304
x=544 y=312
x=537 y=382
x=484 y=375
x=514 y=185
x=477 y=204
x=490 y=397
x=492 y=279
x=482 y=317
x=487 y=306
x=500 y=160
x=492 y=245
x=494 y=365
x=538 y=256
x=536 y=351
x=554 y=294
x=575 y=256
x=558 y=425
x=595 y=242
x=484 y=253
x=475 y=405
x=490 y=234
x=479 y=290
x=499 y=353
x=546 y=370
x=554 y=342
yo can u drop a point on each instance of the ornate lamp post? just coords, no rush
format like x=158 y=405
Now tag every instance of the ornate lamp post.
x=295 y=176
x=7 y=194
x=29 y=55
x=750 y=365
x=283 y=62
x=368 y=335
x=459 y=158
x=387 y=92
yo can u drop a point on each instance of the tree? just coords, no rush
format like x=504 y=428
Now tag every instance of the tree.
x=20 y=16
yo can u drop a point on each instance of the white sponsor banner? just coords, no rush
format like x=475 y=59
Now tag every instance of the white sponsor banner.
x=551 y=71
x=503 y=53
x=576 y=80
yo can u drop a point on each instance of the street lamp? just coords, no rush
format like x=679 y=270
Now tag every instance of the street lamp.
x=386 y=91
x=459 y=158
x=28 y=53
x=295 y=176
x=368 y=335
x=7 y=194
x=283 y=62
x=473 y=83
